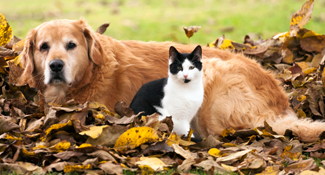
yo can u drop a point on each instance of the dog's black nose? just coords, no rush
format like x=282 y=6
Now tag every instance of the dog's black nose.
x=56 y=65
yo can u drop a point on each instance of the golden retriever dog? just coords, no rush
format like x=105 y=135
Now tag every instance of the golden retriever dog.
x=66 y=59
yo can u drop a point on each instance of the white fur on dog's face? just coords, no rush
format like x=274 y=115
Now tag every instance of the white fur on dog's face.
x=56 y=36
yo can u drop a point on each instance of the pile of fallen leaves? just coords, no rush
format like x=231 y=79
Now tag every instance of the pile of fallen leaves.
x=36 y=137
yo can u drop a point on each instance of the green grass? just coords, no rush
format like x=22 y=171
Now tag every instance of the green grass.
x=163 y=20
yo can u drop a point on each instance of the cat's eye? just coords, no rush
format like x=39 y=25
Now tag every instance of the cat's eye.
x=45 y=47
x=179 y=68
x=191 y=67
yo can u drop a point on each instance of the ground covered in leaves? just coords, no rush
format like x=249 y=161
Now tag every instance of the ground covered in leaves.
x=36 y=137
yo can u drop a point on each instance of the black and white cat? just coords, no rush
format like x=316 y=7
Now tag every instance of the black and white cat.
x=180 y=95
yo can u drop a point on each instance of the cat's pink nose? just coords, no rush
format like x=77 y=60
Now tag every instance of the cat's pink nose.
x=185 y=76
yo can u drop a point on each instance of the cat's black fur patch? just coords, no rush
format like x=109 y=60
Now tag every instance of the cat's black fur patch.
x=149 y=95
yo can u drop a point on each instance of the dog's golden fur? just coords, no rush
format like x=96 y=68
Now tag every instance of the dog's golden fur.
x=238 y=92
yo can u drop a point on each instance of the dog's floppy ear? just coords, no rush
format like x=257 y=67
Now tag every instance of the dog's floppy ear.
x=95 y=49
x=27 y=59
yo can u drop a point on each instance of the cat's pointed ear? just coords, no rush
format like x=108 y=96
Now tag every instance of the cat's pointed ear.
x=172 y=53
x=197 y=53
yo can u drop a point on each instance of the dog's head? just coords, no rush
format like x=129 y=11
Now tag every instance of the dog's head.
x=58 y=53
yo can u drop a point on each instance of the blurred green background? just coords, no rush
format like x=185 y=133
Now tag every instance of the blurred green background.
x=163 y=20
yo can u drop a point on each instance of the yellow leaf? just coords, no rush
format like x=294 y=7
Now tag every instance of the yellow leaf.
x=94 y=131
x=39 y=147
x=301 y=97
x=5 y=31
x=69 y=168
x=303 y=65
x=186 y=143
x=294 y=156
x=56 y=126
x=152 y=162
x=226 y=44
x=309 y=33
x=11 y=137
x=28 y=153
x=301 y=17
x=301 y=113
x=215 y=152
x=229 y=145
x=269 y=171
x=173 y=139
x=190 y=134
x=227 y=131
x=310 y=70
x=135 y=137
x=84 y=145
x=61 y=146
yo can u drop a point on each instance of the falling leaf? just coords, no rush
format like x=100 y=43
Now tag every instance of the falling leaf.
x=189 y=31
x=301 y=17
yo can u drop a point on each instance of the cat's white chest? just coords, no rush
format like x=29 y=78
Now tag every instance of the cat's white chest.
x=182 y=102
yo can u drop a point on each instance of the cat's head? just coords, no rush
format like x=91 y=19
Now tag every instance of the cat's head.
x=185 y=67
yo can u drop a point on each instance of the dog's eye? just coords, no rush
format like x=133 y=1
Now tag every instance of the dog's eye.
x=71 y=45
x=44 y=47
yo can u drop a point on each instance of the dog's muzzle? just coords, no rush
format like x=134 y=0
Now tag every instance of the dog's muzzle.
x=56 y=67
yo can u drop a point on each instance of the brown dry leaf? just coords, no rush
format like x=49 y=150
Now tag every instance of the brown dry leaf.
x=186 y=166
x=209 y=164
x=66 y=155
x=189 y=31
x=300 y=166
x=6 y=126
x=34 y=125
x=301 y=17
x=122 y=109
x=102 y=155
x=111 y=168
x=102 y=29
x=184 y=153
x=209 y=142
x=157 y=148
x=14 y=167
x=31 y=167
x=58 y=166
x=109 y=136
x=233 y=156
x=313 y=43
x=5 y=31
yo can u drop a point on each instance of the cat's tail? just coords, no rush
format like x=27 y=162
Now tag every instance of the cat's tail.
x=306 y=129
